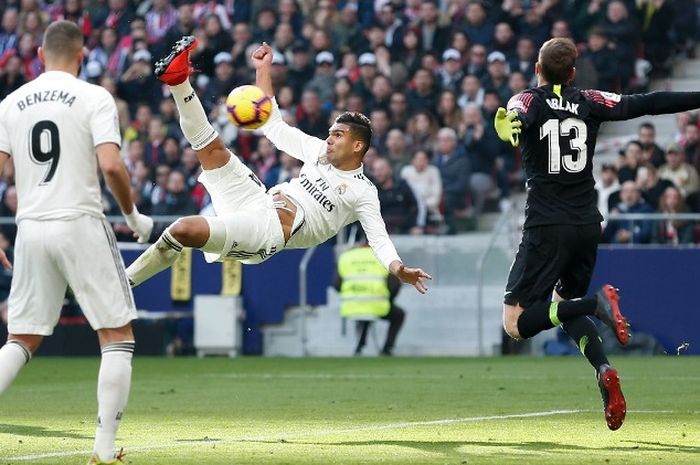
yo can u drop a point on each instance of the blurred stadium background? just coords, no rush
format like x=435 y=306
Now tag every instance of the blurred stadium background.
x=430 y=75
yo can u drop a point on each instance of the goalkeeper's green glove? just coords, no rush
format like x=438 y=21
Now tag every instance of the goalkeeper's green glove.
x=507 y=126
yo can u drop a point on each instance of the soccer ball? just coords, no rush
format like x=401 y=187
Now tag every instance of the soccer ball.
x=248 y=107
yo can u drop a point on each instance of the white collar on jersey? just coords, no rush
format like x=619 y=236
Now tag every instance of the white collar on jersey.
x=349 y=172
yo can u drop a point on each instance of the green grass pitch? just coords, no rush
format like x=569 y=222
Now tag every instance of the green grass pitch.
x=359 y=411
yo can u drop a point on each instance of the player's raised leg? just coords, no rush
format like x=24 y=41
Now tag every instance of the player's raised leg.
x=175 y=70
x=196 y=231
x=523 y=323
x=205 y=233
x=258 y=235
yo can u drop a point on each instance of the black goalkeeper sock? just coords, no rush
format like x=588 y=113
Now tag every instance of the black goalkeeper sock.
x=572 y=309
x=585 y=334
x=545 y=315
x=535 y=318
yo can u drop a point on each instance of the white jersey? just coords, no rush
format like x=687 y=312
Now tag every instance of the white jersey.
x=330 y=198
x=51 y=126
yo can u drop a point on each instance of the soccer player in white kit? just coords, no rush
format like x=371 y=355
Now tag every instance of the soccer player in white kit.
x=252 y=225
x=52 y=127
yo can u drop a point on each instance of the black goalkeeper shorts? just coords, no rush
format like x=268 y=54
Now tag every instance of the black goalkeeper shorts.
x=549 y=256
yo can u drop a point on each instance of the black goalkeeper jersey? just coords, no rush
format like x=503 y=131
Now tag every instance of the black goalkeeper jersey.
x=560 y=127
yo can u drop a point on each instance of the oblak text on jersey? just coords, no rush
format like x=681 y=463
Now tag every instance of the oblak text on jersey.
x=557 y=104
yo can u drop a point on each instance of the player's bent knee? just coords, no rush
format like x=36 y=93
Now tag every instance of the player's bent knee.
x=510 y=321
x=215 y=155
x=512 y=331
x=112 y=335
x=510 y=326
x=30 y=342
x=192 y=231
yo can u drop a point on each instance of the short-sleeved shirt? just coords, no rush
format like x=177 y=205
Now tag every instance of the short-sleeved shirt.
x=51 y=126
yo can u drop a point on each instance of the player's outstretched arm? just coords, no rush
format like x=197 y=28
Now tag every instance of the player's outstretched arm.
x=368 y=213
x=117 y=180
x=608 y=106
x=286 y=138
x=508 y=126
x=413 y=276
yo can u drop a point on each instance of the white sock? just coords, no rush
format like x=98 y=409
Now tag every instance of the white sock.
x=155 y=259
x=13 y=356
x=193 y=121
x=112 y=393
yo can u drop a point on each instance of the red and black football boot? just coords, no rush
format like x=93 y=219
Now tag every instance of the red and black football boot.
x=614 y=405
x=175 y=68
x=608 y=311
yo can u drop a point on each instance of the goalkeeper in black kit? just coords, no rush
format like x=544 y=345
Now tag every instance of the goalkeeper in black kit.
x=556 y=126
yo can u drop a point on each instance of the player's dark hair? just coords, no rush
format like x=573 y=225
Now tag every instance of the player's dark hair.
x=62 y=39
x=647 y=125
x=360 y=126
x=557 y=59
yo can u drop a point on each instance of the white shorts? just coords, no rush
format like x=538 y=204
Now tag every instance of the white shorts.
x=80 y=253
x=253 y=229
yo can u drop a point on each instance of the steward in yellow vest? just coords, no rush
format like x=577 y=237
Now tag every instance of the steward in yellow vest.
x=367 y=291
x=364 y=289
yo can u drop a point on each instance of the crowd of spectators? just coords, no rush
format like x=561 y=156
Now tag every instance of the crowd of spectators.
x=429 y=74
x=649 y=179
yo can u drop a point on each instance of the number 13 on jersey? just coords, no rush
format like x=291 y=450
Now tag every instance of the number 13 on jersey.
x=574 y=158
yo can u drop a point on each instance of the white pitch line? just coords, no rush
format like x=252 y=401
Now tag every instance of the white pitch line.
x=406 y=424
x=47 y=455
x=330 y=432
x=359 y=376
x=363 y=376
x=446 y=421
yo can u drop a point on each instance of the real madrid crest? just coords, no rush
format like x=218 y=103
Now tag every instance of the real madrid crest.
x=340 y=190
